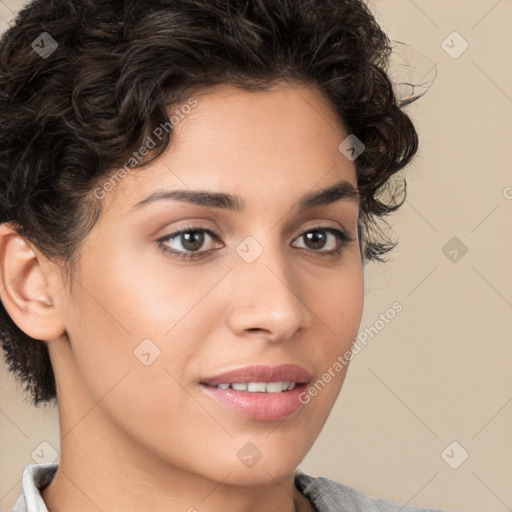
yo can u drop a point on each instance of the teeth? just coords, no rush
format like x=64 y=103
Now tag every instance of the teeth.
x=276 y=387
x=259 y=387
x=256 y=386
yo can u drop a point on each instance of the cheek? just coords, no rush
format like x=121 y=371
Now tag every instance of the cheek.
x=339 y=301
x=134 y=317
x=131 y=341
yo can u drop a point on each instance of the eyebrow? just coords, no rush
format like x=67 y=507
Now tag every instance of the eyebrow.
x=343 y=190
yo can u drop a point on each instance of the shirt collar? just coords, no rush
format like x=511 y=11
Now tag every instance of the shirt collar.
x=35 y=478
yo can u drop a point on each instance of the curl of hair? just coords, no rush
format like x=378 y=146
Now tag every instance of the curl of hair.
x=68 y=119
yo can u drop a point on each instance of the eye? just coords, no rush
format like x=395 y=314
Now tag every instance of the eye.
x=188 y=241
x=325 y=240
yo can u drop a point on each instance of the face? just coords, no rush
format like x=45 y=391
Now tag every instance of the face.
x=154 y=319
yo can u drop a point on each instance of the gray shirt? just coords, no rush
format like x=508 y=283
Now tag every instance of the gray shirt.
x=325 y=495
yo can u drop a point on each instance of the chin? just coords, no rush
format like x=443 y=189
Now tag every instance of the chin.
x=262 y=473
x=263 y=462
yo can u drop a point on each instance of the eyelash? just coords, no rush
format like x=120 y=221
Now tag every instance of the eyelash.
x=343 y=237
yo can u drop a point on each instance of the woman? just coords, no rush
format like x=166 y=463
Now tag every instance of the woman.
x=190 y=192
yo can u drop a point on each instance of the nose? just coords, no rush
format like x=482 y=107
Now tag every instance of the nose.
x=267 y=299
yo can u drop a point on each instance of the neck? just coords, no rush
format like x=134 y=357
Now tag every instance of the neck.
x=109 y=473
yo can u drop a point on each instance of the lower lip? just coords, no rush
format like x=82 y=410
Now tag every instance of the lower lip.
x=259 y=406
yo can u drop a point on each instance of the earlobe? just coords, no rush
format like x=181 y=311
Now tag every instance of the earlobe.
x=24 y=289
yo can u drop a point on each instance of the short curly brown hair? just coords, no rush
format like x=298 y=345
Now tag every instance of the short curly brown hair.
x=71 y=115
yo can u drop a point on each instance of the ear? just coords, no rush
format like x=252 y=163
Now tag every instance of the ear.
x=24 y=287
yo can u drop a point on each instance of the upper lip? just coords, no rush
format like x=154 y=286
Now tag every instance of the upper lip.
x=261 y=373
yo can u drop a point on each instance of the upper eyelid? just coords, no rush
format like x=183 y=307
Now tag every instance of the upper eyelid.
x=185 y=229
x=215 y=235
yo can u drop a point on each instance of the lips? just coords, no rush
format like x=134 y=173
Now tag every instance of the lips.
x=247 y=392
x=261 y=373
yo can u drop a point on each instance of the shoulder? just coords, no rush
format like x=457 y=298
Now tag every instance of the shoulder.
x=327 y=495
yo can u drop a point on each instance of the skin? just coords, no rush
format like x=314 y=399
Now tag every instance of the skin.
x=145 y=438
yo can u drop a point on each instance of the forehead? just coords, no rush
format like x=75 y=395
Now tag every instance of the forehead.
x=279 y=141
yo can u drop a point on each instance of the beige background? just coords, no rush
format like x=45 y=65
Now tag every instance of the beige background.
x=439 y=372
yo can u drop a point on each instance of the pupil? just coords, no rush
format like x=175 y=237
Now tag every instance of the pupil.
x=193 y=240
x=315 y=237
